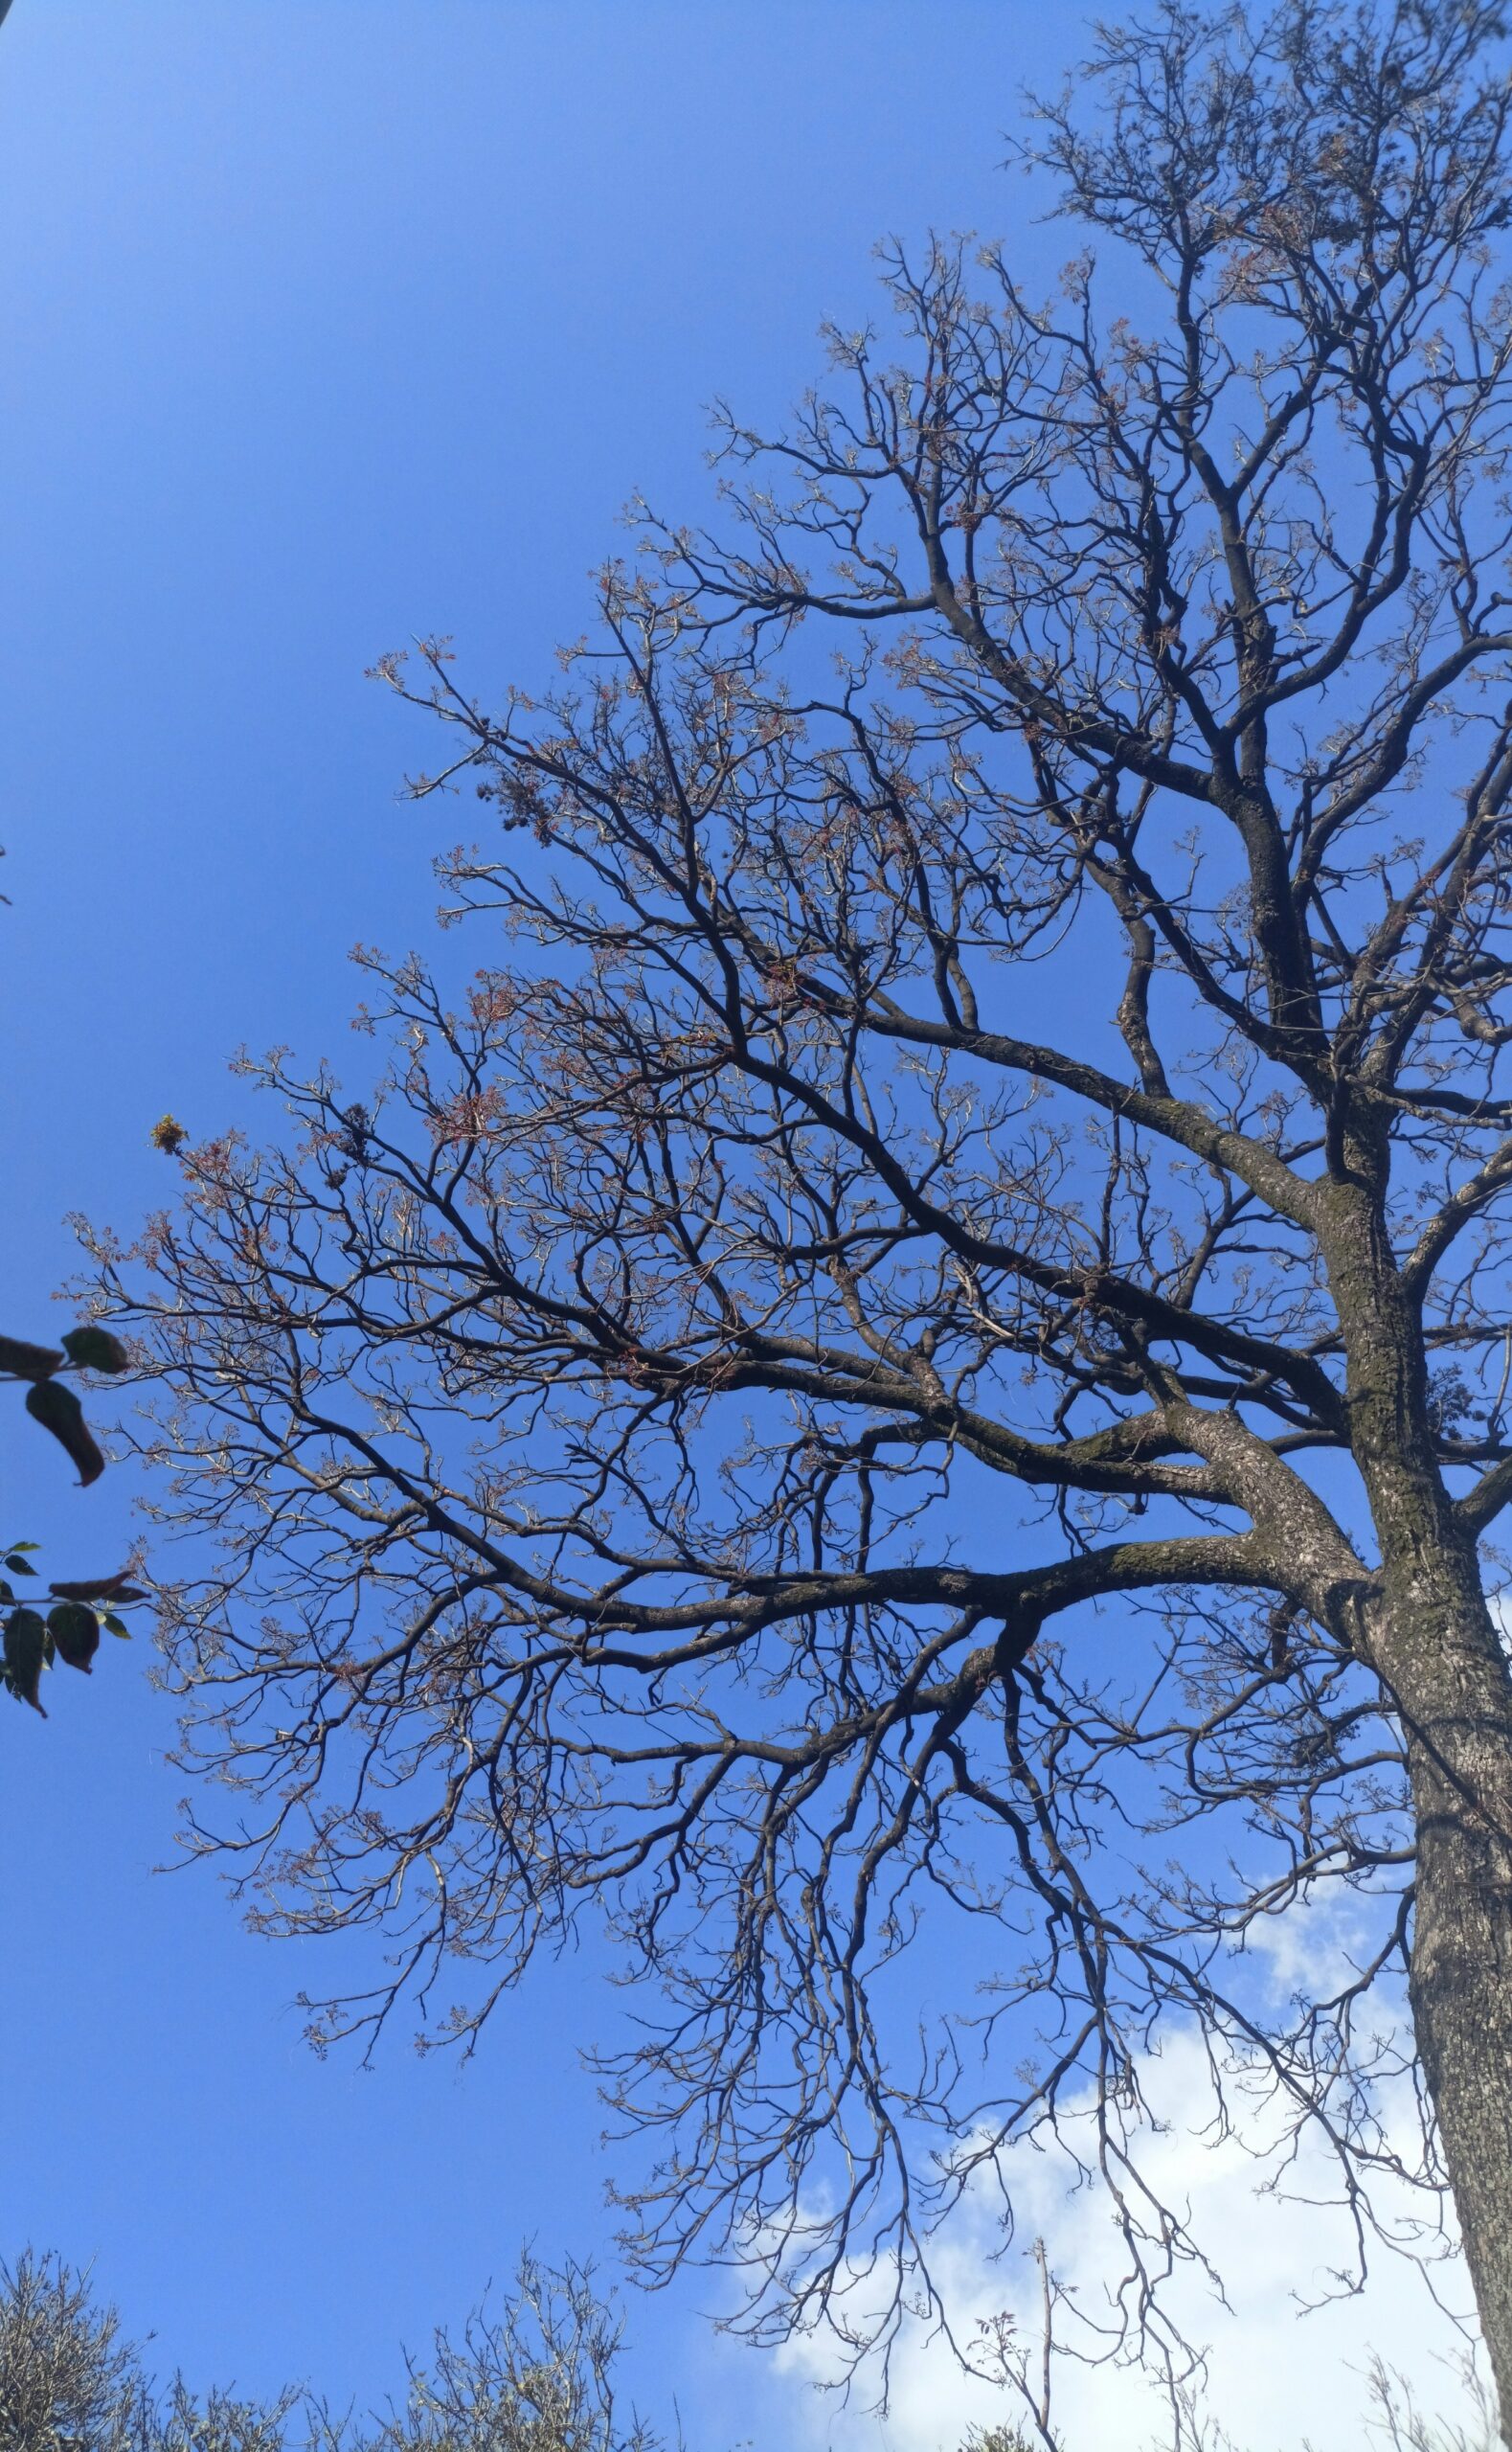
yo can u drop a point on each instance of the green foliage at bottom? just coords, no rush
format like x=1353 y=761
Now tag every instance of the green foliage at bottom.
x=536 y=2377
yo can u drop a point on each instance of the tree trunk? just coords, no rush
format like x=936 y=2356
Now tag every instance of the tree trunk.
x=1452 y=1686
x=1434 y=1645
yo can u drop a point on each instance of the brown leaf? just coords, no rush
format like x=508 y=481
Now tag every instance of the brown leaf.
x=101 y=1587
x=23 y=1361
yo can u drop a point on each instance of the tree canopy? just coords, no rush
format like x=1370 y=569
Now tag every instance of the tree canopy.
x=921 y=1363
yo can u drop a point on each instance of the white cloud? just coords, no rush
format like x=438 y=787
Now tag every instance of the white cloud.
x=1279 y=2377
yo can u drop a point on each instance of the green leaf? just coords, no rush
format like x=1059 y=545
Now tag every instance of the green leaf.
x=58 y=1409
x=114 y=1626
x=75 y=1630
x=94 y=1348
x=25 y=1648
x=17 y=1564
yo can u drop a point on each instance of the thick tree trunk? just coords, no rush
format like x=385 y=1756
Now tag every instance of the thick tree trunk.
x=1452 y=1683
x=1435 y=1645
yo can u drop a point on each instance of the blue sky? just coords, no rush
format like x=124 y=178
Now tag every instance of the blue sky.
x=328 y=323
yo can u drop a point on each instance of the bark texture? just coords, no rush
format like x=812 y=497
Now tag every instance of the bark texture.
x=1460 y=1718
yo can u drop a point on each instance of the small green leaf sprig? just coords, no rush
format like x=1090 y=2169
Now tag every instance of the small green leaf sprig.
x=56 y=1408
x=70 y=1632
x=30 y=1640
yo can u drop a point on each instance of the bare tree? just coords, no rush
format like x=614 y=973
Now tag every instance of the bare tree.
x=931 y=1350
